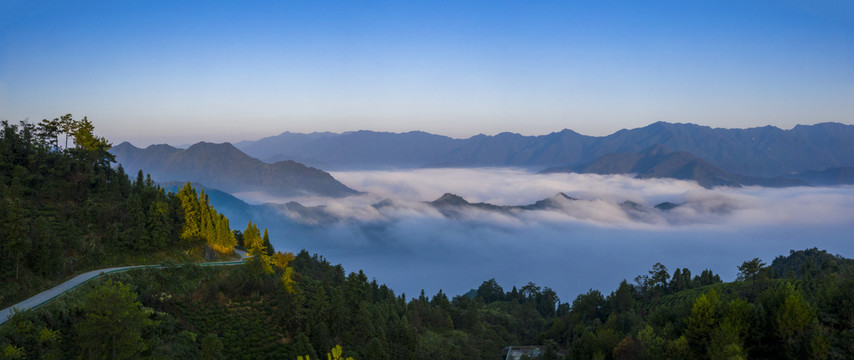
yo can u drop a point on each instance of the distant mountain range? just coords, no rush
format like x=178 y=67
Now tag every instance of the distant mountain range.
x=224 y=167
x=820 y=154
x=660 y=162
x=766 y=151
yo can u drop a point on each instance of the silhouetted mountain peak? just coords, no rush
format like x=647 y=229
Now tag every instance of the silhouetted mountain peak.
x=450 y=199
x=563 y=196
x=215 y=148
x=556 y=201
x=507 y=134
x=566 y=132
x=160 y=147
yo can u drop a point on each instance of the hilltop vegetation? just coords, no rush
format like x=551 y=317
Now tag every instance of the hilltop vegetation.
x=64 y=209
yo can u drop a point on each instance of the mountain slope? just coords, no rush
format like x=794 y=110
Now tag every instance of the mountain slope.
x=224 y=167
x=357 y=149
x=762 y=151
x=829 y=176
x=659 y=162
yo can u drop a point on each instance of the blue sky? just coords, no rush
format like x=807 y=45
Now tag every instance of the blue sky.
x=181 y=72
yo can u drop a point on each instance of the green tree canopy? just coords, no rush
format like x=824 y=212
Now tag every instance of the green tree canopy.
x=749 y=269
x=114 y=322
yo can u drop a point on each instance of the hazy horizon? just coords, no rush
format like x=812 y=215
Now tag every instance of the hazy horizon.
x=182 y=145
x=178 y=73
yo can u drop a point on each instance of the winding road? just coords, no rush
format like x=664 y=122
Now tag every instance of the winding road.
x=48 y=295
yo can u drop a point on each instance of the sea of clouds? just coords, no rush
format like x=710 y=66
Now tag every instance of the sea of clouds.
x=590 y=243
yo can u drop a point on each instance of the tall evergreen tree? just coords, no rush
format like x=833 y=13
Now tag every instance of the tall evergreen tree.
x=251 y=236
x=225 y=241
x=208 y=233
x=192 y=214
x=158 y=224
x=266 y=241
x=17 y=243
x=135 y=235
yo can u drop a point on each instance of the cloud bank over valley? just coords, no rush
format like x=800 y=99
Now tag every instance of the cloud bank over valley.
x=601 y=200
x=602 y=230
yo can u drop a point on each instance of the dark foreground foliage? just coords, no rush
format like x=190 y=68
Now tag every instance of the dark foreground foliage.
x=234 y=313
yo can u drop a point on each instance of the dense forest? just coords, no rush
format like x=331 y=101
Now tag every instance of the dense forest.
x=65 y=208
x=249 y=312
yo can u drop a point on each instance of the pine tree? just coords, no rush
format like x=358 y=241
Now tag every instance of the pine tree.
x=251 y=236
x=17 y=241
x=206 y=218
x=139 y=184
x=158 y=224
x=190 y=208
x=259 y=263
x=67 y=125
x=267 y=245
x=135 y=235
x=225 y=241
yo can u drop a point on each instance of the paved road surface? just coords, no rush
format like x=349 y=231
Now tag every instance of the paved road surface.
x=60 y=289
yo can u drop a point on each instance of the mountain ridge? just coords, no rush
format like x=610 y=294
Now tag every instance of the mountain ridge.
x=660 y=162
x=759 y=151
x=225 y=167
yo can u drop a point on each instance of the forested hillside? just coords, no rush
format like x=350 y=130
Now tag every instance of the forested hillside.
x=264 y=311
x=64 y=209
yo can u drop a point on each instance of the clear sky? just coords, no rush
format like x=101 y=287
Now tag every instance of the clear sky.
x=181 y=71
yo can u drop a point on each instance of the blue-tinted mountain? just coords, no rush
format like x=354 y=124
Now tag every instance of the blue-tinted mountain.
x=224 y=167
x=659 y=162
x=350 y=150
x=828 y=177
x=764 y=151
x=453 y=206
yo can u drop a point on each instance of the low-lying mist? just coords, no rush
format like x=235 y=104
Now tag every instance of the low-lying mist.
x=592 y=242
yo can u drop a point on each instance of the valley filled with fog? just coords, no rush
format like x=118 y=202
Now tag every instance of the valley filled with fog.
x=604 y=228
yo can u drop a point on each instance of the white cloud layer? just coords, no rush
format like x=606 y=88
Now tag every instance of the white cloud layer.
x=590 y=243
x=601 y=197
